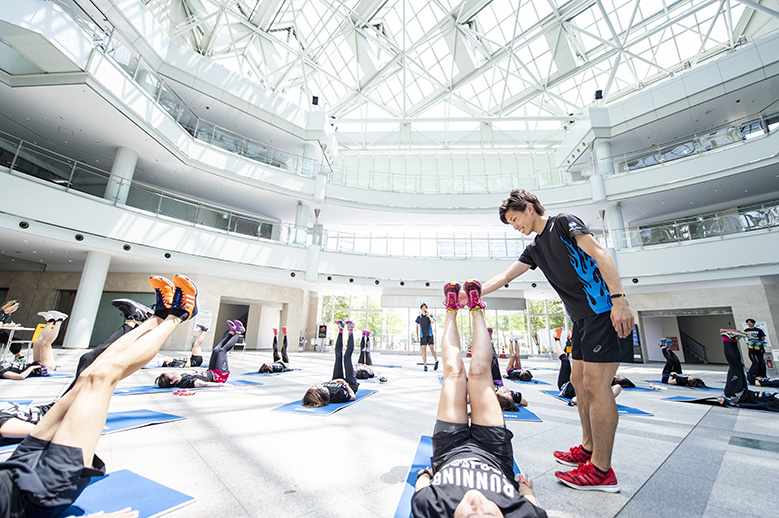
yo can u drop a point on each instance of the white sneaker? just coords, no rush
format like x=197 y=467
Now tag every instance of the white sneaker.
x=46 y=315
x=57 y=315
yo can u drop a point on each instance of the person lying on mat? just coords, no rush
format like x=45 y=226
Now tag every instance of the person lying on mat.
x=564 y=378
x=508 y=399
x=218 y=366
x=343 y=387
x=514 y=370
x=363 y=372
x=19 y=371
x=17 y=421
x=472 y=464
x=736 y=390
x=195 y=358
x=55 y=462
x=280 y=361
x=766 y=382
x=42 y=353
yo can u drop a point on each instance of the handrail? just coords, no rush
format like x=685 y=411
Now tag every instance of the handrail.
x=75 y=177
x=656 y=155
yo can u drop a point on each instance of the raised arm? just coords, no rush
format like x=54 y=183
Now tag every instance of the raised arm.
x=500 y=280
x=621 y=315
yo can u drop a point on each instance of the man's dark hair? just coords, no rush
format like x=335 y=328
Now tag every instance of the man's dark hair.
x=423 y=305
x=751 y=320
x=518 y=200
x=164 y=380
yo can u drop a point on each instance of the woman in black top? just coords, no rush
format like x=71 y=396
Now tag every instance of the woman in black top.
x=472 y=464
x=343 y=387
x=280 y=361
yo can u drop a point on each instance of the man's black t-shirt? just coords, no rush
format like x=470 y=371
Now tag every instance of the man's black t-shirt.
x=469 y=469
x=425 y=329
x=188 y=380
x=755 y=333
x=572 y=273
x=29 y=414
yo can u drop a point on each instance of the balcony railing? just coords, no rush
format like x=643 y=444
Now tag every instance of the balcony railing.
x=106 y=38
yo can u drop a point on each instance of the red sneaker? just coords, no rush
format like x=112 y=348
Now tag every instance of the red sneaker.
x=587 y=478
x=452 y=296
x=572 y=457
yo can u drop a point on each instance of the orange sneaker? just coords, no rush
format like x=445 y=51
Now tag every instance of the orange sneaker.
x=184 y=296
x=163 y=289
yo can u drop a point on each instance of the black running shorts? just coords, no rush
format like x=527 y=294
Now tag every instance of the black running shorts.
x=595 y=339
x=425 y=340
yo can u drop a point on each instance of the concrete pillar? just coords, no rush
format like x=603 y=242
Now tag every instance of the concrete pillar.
x=601 y=151
x=312 y=263
x=301 y=223
x=597 y=188
x=121 y=175
x=308 y=165
x=320 y=187
x=616 y=226
x=90 y=289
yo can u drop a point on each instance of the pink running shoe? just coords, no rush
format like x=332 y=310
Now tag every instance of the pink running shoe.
x=283 y=330
x=231 y=326
x=572 y=457
x=350 y=326
x=587 y=478
x=472 y=289
x=452 y=296
x=340 y=324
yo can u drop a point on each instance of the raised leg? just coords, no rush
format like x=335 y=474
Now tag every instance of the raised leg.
x=41 y=348
x=452 y=403
x=485 y=408
x=338 y=366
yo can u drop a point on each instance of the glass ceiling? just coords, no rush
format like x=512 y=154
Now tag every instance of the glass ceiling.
x=458 y=72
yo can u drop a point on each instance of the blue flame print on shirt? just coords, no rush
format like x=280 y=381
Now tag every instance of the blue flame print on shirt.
x=587 y=269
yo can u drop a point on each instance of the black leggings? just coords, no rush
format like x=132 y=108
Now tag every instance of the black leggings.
x=496 y=376
x=365 y=351
x=283 y=356
x=564 y=376
x=90 y=356
x=218 y=360
x=758 y=367
x=736 y=382
x=343 y=368
x=672 y=364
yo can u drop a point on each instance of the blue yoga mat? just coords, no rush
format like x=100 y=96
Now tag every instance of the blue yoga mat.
x=255 y=373
x=658 y=382
x=531 y=382
x=421 y=460
x=153 y=389
x=621 y=409
x=387 y=366
x=122 y=489
x=297 y=408
x=640 y=388
x=374 y=379
x=121 y=421
x=712 y=400
x=522 y=415
x=24 y=402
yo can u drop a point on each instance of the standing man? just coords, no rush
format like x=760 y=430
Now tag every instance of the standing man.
x=425 y=335
x=586 y=279
x=756 y=346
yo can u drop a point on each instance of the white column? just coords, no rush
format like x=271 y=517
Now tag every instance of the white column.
x=301 y=222
x=616 y=225
x=122 y=173
x=308 y=165
x=597 y=188
x=312 y=263
x=602 y=157
x=90 y=289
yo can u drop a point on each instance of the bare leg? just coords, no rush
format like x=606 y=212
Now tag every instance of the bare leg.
x=77 y=420
x=485 y=409
x=424 y=355
x=197 y=349
x=41 y=348
x=601 y=409
x=582 y=402
x=452 y=404
x=432 y=350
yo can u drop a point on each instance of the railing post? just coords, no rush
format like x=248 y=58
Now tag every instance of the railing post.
x=70 y=178
x=16 y=154
x=159 y=205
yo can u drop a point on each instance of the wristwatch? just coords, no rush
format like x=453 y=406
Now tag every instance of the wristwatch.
x=425 y=471
x=618 y=295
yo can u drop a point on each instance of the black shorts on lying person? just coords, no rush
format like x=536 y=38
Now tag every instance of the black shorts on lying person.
x=472 y=457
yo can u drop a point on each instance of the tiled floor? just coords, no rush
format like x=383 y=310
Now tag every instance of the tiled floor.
x=240 y=459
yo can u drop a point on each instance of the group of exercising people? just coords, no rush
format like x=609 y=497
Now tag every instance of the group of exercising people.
x=471 y=470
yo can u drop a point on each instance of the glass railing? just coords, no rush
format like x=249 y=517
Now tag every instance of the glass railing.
x=737 y=220
x=73 y=176
x=153 y=84
x=439 y=183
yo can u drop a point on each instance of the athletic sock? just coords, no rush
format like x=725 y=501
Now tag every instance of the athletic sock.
x=599 y=470
x=585 y=450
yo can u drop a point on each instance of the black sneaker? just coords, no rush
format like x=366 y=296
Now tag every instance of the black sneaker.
x=132 y=310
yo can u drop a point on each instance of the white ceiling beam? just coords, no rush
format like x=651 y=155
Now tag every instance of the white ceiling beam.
x=759 y=7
